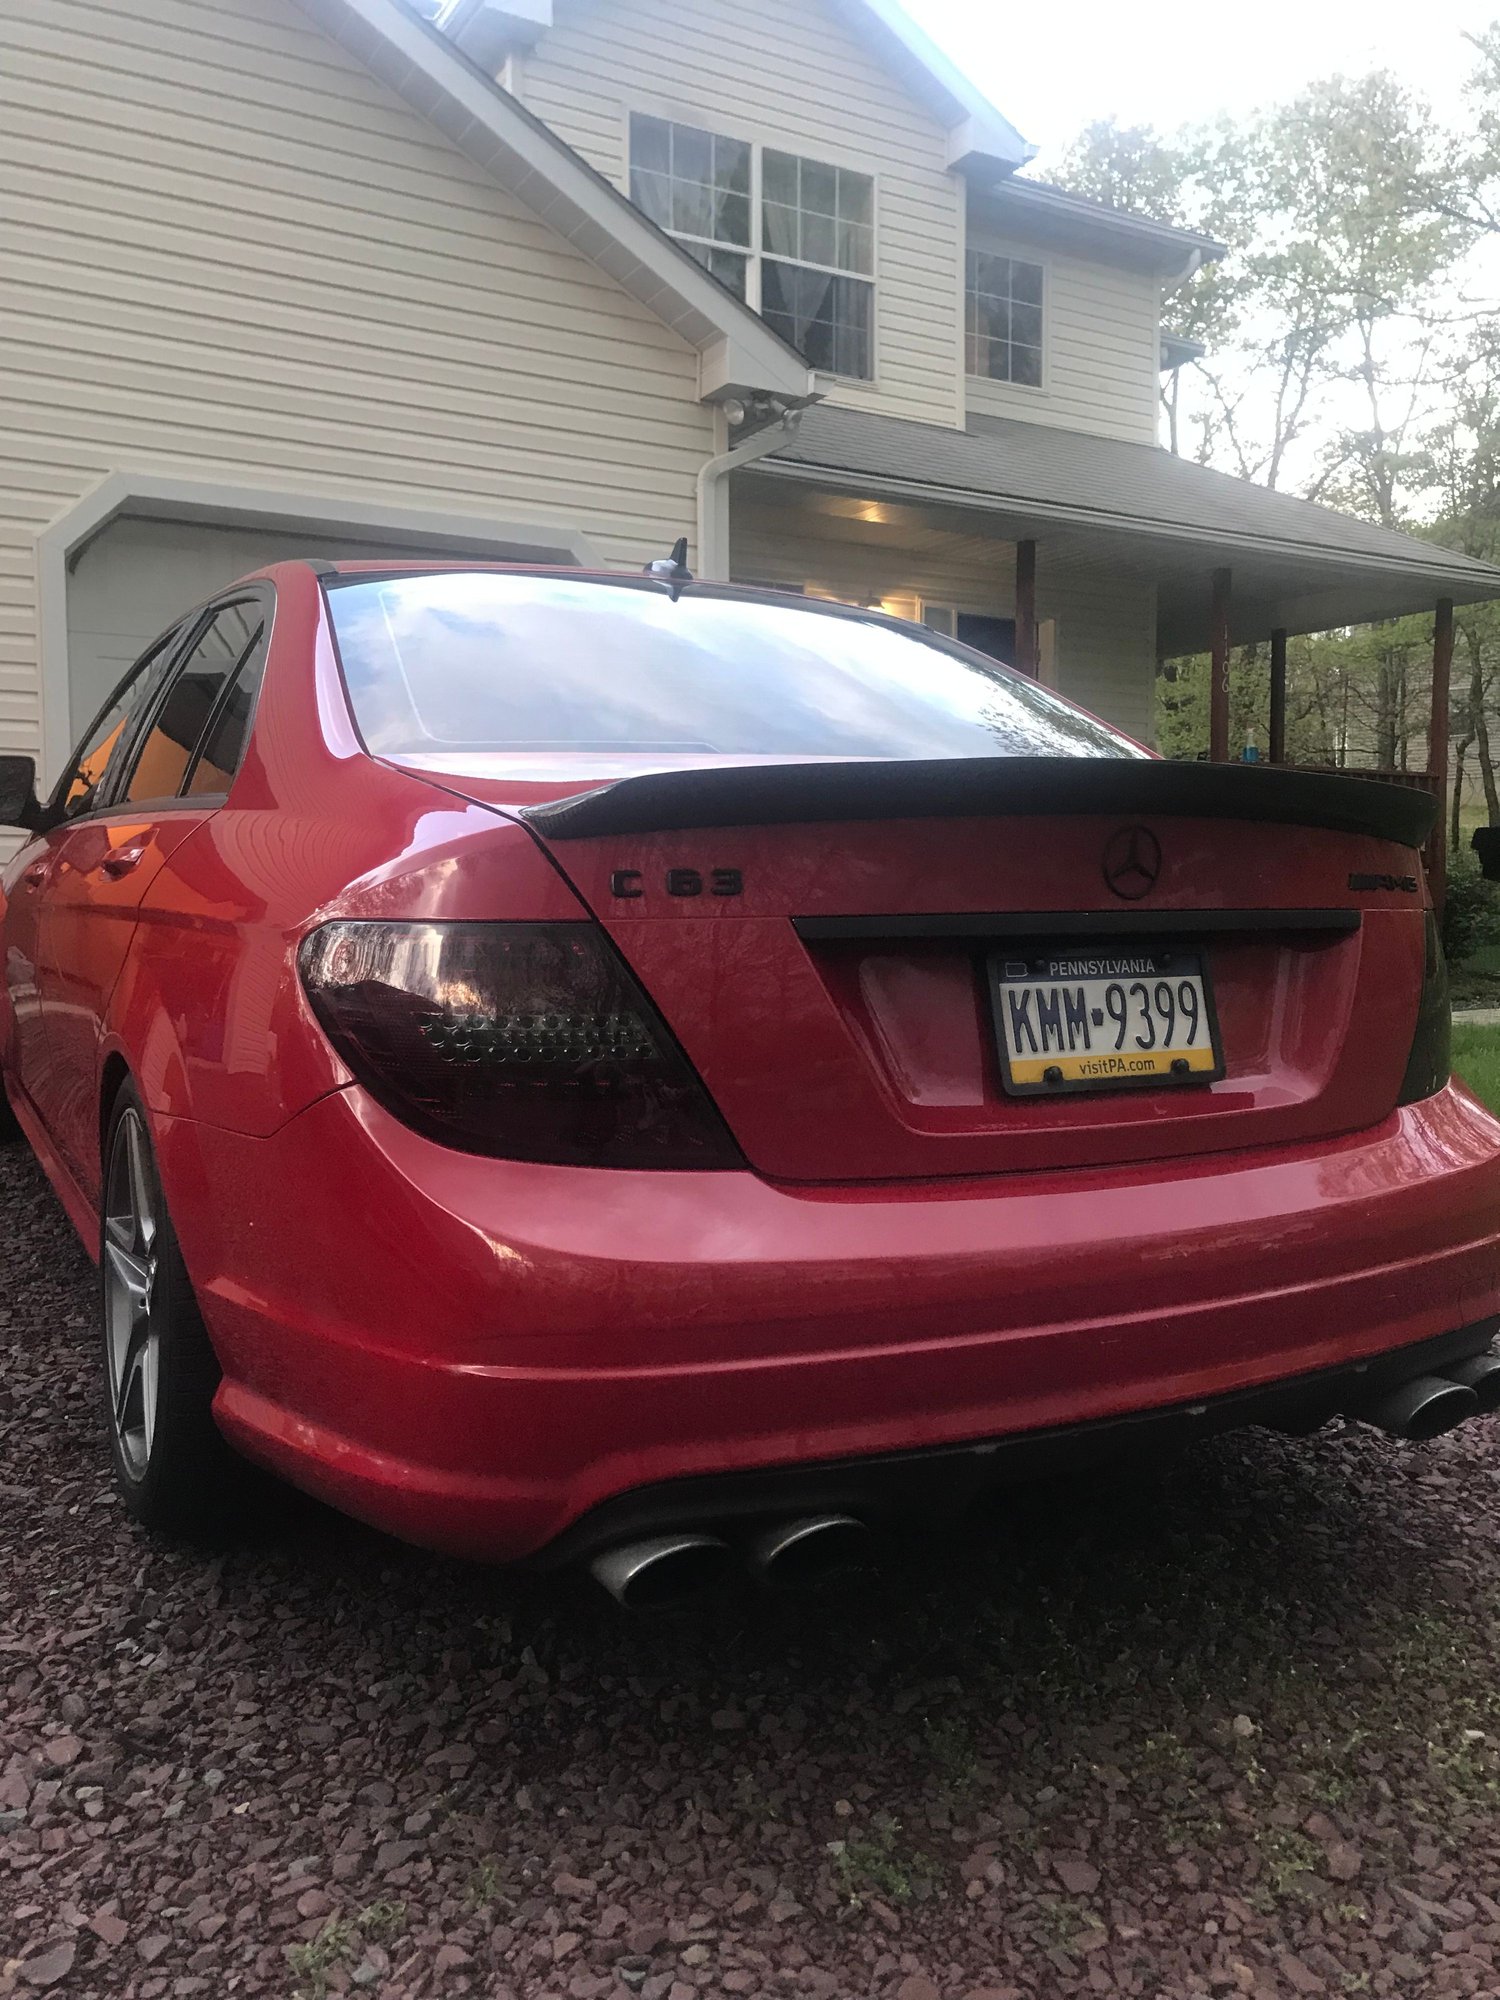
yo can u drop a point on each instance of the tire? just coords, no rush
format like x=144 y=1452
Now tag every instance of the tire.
x=10 y=1125
x=173 y=1468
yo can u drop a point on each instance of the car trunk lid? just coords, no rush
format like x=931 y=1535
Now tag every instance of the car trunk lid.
x=824 y=941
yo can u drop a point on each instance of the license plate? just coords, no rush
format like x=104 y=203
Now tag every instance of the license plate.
x=1103 y=1018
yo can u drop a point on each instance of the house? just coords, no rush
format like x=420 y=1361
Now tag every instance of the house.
x=562 y=280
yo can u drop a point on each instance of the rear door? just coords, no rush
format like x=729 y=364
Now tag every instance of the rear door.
x=157 y=788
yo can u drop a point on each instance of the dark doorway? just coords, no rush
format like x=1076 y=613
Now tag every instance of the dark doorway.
x=995 y=636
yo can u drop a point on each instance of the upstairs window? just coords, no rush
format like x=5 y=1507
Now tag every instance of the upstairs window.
x=695 y=185
x=1003 y=319
x=818 y=245
x=793 y=238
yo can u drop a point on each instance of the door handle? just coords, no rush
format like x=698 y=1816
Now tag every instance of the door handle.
x=36 y=874
x=123 y=860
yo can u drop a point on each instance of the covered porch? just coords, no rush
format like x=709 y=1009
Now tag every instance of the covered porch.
x=1085 y=560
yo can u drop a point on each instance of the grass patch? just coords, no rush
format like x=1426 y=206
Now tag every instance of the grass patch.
x=1476 y=1058
x=1289 y=1861
x=380 y=1922
x=484 y=1885
x=953 y=1756
x=873 y=1863
x=312 y=1962
x=340 y=1939
x=1061 y=1921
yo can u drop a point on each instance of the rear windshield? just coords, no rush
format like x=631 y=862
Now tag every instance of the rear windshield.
x=528 y=665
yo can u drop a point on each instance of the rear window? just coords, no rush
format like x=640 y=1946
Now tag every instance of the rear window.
x=531 y=665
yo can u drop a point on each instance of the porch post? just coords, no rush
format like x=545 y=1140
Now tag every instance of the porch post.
x=1437 y=746
x=1026 y=654
x=1218 y=687
x=1276 y=749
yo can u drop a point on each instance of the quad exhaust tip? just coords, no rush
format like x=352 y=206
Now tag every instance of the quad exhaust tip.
x=1423 y=1408
x=663 y=1571
x=796 y=1555
x=1481 y=1374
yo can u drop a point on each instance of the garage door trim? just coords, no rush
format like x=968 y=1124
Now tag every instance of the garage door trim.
x=151 y=496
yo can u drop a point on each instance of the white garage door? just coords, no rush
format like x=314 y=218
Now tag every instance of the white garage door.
x=137 y=575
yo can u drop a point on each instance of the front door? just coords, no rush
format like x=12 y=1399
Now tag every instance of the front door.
x=23 y=1046
x=995 y=636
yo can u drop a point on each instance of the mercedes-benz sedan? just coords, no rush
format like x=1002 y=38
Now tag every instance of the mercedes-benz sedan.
x=620 y=1069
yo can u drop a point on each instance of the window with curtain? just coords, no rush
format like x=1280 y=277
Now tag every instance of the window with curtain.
x=793 y=237
x=1003 y=318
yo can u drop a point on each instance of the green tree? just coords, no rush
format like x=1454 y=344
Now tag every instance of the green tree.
x=1333 y=245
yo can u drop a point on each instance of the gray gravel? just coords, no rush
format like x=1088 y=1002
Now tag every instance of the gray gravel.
x=1230 y=1729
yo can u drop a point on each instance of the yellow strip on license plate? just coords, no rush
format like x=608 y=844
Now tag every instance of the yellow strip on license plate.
x=1096 y=1019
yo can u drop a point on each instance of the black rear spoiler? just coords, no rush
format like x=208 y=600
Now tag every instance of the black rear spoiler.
x=961 y=787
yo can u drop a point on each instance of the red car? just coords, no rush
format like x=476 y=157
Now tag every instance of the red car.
x=612 y=1068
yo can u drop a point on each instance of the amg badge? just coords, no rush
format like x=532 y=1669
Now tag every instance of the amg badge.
x=1407 y=884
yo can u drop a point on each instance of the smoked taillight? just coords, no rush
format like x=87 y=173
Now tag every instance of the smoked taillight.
x=1428 y=1066
x=527 y=1041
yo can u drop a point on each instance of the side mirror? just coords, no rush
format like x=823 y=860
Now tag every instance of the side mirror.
x=1486 y=844
x=18 y=799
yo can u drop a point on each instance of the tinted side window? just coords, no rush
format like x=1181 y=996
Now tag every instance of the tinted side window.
x=165 y=751
x=224 y=751
x=100 y=749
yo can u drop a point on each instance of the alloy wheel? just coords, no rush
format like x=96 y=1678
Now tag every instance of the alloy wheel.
x=132 y=1331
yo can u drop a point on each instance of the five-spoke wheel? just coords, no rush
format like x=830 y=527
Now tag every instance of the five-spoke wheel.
x=131 y=1336
x=175 y=1471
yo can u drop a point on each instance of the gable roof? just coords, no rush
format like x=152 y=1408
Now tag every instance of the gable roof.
x=979 y=138
x=738 y=352
x=1087 y=227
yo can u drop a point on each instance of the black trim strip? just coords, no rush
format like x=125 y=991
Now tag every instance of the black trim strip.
x=1075 y=923
x=962 y=787
x=937 y=1482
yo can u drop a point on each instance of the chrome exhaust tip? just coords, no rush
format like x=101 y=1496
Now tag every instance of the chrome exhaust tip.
x=1421 y=1409
x=1481 y=1373
x=663 y=1570
x=795 y=1555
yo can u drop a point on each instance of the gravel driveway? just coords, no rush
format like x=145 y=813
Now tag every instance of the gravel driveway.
x=1233 y=1729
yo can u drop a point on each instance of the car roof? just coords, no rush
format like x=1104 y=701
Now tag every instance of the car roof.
x=337 y=569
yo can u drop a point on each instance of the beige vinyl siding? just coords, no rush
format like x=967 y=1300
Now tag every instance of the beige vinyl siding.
x=1101 y=334
x=786 y=73
x=1106 y=644
x=1104 y=623
x=230 y=254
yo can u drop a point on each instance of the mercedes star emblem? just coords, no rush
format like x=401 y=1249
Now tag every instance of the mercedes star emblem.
x=1132 y=862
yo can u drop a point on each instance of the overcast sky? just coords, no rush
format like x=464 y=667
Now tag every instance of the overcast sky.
x=1054 y=67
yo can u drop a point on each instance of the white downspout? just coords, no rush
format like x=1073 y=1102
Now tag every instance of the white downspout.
x=713 y=494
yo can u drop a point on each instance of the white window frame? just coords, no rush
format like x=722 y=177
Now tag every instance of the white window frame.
x=1019 y=253
x=686 y=236
x=755 y=252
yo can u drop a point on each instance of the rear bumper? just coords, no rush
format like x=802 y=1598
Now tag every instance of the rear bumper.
x=943 y=1481
x=478 y=1355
